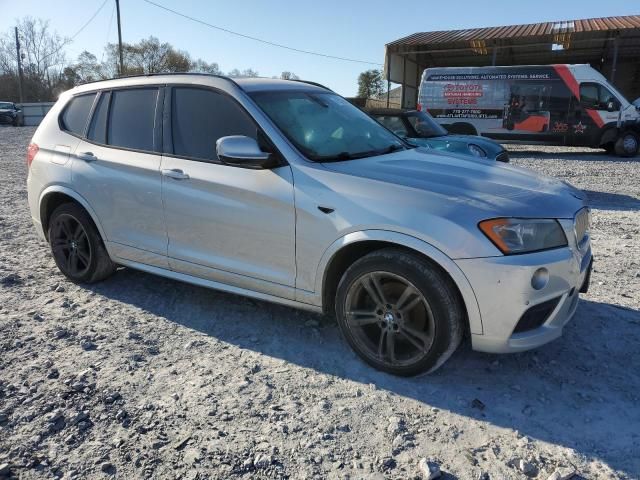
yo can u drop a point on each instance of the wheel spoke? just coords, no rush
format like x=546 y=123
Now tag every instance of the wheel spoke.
x=411 y=305
x=58 y=243
x=360 y=318
x=381 y=343
x=372 y=285
x=69 y=261
x=78 y=232
x=84 y=257
x=418 y=339
x=391 y=346
x=406 y=294
x=376 y=284
x=66 y=230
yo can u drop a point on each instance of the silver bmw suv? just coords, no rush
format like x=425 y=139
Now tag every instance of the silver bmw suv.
x=284 y=191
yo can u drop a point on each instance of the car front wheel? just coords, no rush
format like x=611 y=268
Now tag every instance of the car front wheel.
x=399 y=312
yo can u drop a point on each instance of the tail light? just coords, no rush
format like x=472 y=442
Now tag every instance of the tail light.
x=419 y=107
x=32 y=150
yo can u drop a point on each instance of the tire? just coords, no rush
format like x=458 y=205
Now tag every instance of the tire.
x=389 y=333
x=627 y=144
x=76 y=246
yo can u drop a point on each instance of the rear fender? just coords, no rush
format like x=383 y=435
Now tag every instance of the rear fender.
x=74 y=195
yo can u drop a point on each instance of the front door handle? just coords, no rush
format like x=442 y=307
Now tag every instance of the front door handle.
x=175 y=173
x=87 y=156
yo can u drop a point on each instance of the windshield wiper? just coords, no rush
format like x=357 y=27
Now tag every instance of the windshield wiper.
x=353 y=156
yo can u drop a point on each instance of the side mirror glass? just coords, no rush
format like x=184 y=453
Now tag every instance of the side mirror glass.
x=611 y=107
x=244 y=152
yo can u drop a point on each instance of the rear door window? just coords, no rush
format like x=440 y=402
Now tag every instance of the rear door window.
x=199 y=117
x=132 y=118
x=76 y=113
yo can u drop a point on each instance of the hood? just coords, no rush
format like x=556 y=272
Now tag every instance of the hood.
x=494 y=188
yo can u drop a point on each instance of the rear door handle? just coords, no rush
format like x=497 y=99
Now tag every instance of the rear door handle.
x=175 y=173
x=87 y=156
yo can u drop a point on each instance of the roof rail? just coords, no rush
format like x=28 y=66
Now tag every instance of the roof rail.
x=224 y=77
x=315 y=84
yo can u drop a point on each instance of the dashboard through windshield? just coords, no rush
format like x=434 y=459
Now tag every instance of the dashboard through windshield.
x=326 y=127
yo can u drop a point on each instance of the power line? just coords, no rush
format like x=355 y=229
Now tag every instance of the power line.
x=72 y=38
x=113 y=11
x=267 y=42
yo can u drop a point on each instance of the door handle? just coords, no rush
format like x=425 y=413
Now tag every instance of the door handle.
x=175 y=173
x=87 y=156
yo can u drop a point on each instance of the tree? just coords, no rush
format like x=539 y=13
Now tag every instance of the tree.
x=245 y=73
x=47 y=73
x=370 y=84
x=200 y=66
x=289 y=76
x=87 y=68
x=43 y=60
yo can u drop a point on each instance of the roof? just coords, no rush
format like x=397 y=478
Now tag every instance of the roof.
x=251 y=84
x=520 y=31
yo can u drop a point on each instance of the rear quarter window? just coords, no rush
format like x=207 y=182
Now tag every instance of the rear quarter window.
x=76 y=113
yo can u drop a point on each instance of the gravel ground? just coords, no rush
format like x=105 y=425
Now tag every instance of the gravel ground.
x=143 y=377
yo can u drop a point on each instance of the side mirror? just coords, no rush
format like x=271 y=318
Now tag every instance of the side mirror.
x=611 y=107
x=244 y=152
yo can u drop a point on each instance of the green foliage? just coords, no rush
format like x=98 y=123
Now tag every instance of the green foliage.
x=370 y=84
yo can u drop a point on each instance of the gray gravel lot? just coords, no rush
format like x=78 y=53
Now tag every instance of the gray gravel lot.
x=144 y=377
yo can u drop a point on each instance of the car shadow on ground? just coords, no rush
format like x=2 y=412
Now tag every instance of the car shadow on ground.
x=595 y=155
x=612 y=201
x=577 y=391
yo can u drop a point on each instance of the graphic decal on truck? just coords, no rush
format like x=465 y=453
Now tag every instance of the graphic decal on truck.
x=536 y=103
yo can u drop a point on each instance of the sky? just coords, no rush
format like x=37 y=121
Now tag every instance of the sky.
x=356 y=29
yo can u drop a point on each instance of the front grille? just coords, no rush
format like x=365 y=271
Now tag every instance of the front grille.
x=581 y=225
x=536 y=315
x=503 y=157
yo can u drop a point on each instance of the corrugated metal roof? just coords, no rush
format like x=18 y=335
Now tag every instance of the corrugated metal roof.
x=519 y=31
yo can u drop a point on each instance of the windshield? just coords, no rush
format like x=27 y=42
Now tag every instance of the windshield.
x=425 y=125
x=6 y=105
x=326 y=127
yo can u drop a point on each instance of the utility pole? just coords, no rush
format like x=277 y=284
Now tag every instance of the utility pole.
x=119 y=38
x=19 y=66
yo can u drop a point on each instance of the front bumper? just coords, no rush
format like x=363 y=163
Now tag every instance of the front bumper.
x=504 y=290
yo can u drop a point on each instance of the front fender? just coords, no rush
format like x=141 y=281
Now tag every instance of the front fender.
x=413 y=243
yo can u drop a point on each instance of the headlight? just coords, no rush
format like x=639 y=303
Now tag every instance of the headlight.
x=522 y=235
x=476 y=150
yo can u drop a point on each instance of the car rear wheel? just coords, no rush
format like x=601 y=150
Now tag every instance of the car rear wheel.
x=627 y=144
x=76 y=245
x=399 y=312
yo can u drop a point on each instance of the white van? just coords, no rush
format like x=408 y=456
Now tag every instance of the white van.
x=549 y=104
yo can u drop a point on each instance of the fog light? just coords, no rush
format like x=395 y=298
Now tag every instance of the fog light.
x=540 y=278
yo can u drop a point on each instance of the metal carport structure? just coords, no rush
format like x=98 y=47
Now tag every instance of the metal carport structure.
x=609 y=44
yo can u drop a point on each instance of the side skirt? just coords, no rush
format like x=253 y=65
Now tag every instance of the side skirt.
x=217 y=286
